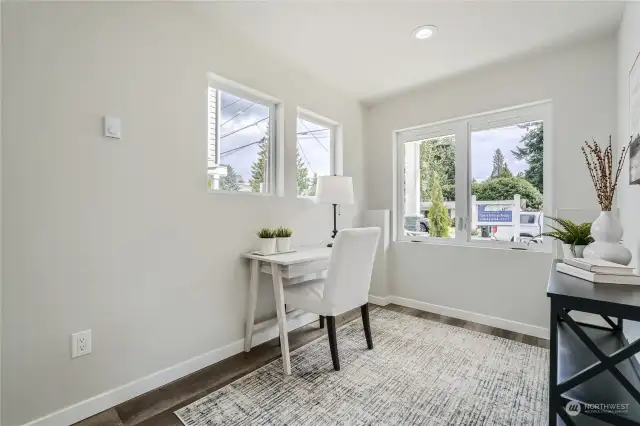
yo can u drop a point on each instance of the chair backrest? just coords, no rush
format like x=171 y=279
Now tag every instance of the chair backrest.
x=350 y=267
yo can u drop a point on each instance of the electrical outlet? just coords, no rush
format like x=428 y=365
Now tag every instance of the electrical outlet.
x=80 y=343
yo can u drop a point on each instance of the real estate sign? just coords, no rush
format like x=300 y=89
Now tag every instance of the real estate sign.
x=493 y=214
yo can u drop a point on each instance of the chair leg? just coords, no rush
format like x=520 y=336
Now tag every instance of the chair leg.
x=321 y=321
x=333 y=343
x=364 y=309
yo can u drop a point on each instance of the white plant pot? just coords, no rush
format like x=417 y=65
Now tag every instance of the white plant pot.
x=268 y=245
x=607 y=233
x=283 y=244
x=568 y=254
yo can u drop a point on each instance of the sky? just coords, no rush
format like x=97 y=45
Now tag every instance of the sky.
x=484 y=144
x=246 y=123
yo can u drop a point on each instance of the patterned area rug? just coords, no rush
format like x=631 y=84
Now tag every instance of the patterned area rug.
x=420 y=372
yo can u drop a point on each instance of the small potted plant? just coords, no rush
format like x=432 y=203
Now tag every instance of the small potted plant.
x=267 y=240
x=574 y=237
x=283 y=239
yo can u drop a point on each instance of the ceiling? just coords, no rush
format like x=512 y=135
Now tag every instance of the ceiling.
x=366 y=48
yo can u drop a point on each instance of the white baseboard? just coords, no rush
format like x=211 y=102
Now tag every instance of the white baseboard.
x=381 y=301
x=505 y=324
x=89 y=407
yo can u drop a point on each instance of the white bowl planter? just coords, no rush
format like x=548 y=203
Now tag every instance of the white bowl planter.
x=568 y=254
x=268 y=245
x=283 y=244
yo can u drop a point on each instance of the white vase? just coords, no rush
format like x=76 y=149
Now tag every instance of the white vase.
x=267 y=245
x=283 y=244
x=607 y=233
x=569 y=254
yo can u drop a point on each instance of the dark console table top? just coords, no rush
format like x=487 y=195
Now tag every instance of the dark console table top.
x=565 y=286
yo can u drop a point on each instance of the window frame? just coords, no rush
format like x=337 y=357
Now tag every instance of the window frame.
x=221 y=84
x=462 y=127
x=334 y=128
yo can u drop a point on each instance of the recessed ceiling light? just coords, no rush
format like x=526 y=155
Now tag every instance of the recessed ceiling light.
x=424 y=32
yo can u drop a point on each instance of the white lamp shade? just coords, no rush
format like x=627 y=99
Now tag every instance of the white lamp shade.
x=334 y=190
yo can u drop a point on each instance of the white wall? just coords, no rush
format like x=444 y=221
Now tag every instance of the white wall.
x=121 y=236
x=628 y=195
x=581 y=81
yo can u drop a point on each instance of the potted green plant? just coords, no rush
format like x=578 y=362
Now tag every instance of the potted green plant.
x=267 y=240
x=574 y=237
x=283 y=239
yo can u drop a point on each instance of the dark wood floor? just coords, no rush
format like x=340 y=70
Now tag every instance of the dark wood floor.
x=156 y=407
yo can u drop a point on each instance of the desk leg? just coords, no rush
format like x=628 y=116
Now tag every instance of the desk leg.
x=251 y=303
x=282 y=317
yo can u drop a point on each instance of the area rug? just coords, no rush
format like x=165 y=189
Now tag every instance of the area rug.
x=420 y=372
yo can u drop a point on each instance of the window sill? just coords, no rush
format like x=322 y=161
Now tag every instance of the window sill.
x=248 y=193
x=542 y=249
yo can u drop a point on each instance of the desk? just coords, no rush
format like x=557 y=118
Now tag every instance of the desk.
x=281 y=267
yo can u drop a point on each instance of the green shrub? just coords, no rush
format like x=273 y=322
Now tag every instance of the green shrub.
x=504 y=188
x=439 y=221
x=449 y=192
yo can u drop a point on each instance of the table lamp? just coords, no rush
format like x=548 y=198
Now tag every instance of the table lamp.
x=334 y=190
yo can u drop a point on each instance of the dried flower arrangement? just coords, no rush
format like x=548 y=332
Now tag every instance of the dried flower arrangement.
x=600 y=164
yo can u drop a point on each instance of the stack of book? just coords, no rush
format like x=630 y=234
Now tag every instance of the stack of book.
x=599 y=271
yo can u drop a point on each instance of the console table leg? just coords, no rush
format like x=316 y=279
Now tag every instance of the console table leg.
x=553 y=364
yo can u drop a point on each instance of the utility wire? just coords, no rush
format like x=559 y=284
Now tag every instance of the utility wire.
x=266 y=131
x=231 y=151
x=245 y=127
x=312 y=131
x=306 y=159
x=236 y=149
x=232 y=103
x=314 y=136
x=238 y=113
x=305 y=137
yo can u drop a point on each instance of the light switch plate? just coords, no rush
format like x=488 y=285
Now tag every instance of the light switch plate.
x=112 y=127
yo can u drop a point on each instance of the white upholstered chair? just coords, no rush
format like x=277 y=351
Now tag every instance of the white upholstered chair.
x=346 y=286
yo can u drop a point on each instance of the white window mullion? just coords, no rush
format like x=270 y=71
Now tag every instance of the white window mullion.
x=462 y=182
x=400 y=189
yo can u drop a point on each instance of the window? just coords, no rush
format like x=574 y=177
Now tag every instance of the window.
x=241 y=131
x=477 y=180
x=429 y=176
x=315 y=152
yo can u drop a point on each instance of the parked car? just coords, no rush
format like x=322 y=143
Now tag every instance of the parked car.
x=424 y=224
x=531 y=224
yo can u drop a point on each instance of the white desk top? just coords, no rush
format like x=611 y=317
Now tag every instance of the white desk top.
x=303 y=254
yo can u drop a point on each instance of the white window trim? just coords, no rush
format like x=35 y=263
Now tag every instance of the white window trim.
x=275 y=105
x=462 y=127
x=336 y=134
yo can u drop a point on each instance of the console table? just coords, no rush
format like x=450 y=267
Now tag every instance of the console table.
x=592 y=364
